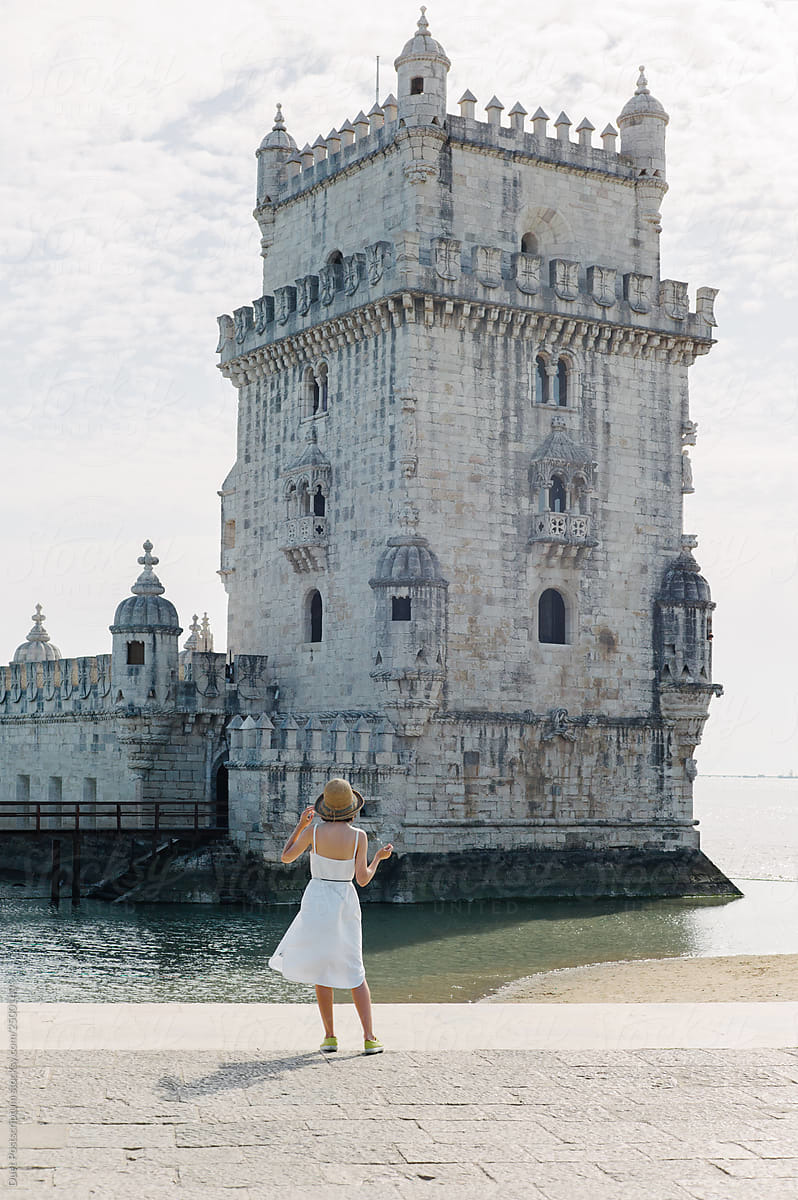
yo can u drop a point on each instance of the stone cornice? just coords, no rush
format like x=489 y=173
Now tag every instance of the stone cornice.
x=556 y=332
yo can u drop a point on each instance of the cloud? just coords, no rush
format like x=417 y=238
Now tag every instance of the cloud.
x=127 y=227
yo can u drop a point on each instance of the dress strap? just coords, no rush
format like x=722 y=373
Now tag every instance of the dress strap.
x=357 y=839
x=314 y=838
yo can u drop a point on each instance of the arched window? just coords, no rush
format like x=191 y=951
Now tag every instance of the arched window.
x=541 y=381
x=400 y=608
x=557 y=495
x=551 y=618
x=529 y=244
x=304 y=499
x=291 y=506
x=319 y=503
x=309 y=393
x=560 y=382
x=314 y=617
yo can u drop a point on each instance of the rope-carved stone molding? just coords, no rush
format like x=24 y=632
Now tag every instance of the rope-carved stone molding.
x=556 y=332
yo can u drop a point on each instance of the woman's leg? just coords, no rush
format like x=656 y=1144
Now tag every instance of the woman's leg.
x=362 y=998
x=324 y=999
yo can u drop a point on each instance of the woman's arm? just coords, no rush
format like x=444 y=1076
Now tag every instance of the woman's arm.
x=301 y=837
x=364 y=871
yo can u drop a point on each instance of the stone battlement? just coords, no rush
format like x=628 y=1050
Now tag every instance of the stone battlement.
x=62 y=685
x=380 y=132
x=319 y=739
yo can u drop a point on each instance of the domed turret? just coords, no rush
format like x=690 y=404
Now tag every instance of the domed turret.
x=410 y=655
x=422 y=68
x=275 y=149
x=37 y=647
x=684 y=624
x=145 y=642
x=642 y=124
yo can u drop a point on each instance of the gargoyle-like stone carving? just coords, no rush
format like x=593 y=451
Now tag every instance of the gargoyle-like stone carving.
x=327 y=283
x=565 y=278
x=377 y=259
x=486 y=265
x=284 y=303
x=226 y=331
x=637 y=292
x=307 y=290
x=243 y=322
x=691 y=768
x=353 y=270
x=601 y=285
x=558 y=726
x=673 y=298
x=705 y=304
x=527 y=273
x=447 y=257
x=264 y=312
x=689 y=433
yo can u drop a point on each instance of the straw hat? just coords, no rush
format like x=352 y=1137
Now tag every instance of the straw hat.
x=339 y=801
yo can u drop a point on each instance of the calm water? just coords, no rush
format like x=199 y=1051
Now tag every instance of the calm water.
x=101 y=952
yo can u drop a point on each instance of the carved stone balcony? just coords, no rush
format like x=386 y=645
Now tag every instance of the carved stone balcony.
x=566 y=536
x=304 y=543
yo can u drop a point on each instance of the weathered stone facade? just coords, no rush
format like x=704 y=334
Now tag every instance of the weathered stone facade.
x=454 y=523
x=453 y=526
x=141 y=725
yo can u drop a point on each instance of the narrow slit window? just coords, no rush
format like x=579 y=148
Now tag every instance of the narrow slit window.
x=557 y=495
x=541 y=382
x=315 y=614
x=319 y=503
x=561 y=384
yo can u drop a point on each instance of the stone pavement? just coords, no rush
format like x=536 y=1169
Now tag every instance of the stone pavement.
x=235 y=1101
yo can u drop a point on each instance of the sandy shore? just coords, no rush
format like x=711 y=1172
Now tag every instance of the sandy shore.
x=741 y=977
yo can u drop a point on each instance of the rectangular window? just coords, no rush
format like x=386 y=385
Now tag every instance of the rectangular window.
x=400 y=608
x=135 y=654
x=417 y=85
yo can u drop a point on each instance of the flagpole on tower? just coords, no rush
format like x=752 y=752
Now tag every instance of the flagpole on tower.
x=377 y=97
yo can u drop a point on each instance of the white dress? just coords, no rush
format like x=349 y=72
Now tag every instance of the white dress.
x=323 y=943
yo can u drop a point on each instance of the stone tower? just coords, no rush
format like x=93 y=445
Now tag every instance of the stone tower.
x=454 y=522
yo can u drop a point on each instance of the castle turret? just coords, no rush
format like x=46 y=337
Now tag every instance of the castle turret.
x=145 y=642
x=642 y=123
x=422 y=68
x=410 y=658
x=272 y=154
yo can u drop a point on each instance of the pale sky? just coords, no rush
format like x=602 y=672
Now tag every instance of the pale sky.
x=128 y=144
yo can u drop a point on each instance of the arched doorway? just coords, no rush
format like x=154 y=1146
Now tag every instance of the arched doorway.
x=221 y=808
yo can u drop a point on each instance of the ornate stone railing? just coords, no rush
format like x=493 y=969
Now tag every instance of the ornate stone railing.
x=303 y=541
x=567 y=535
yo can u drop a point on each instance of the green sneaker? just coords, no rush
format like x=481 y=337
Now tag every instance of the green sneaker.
x=329 y=1045
x=374 y=1046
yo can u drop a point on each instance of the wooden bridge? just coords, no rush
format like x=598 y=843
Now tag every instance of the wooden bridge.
x=182 y=823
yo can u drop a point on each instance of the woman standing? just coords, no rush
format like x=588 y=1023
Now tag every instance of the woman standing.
x=323 y=944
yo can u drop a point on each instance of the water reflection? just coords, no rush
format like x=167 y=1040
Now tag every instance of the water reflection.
x=435 y=952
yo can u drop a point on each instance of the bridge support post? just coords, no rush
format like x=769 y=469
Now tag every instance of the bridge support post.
x=55 y=871
x=76 y=868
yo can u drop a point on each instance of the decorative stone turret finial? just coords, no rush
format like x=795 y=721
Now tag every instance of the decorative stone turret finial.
x=38 y=633
x=206 y=637
x=37 y=646
x=279 y=122
x=642 y=84
x=422 y=24
x=192 y=641
x=148 y=583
